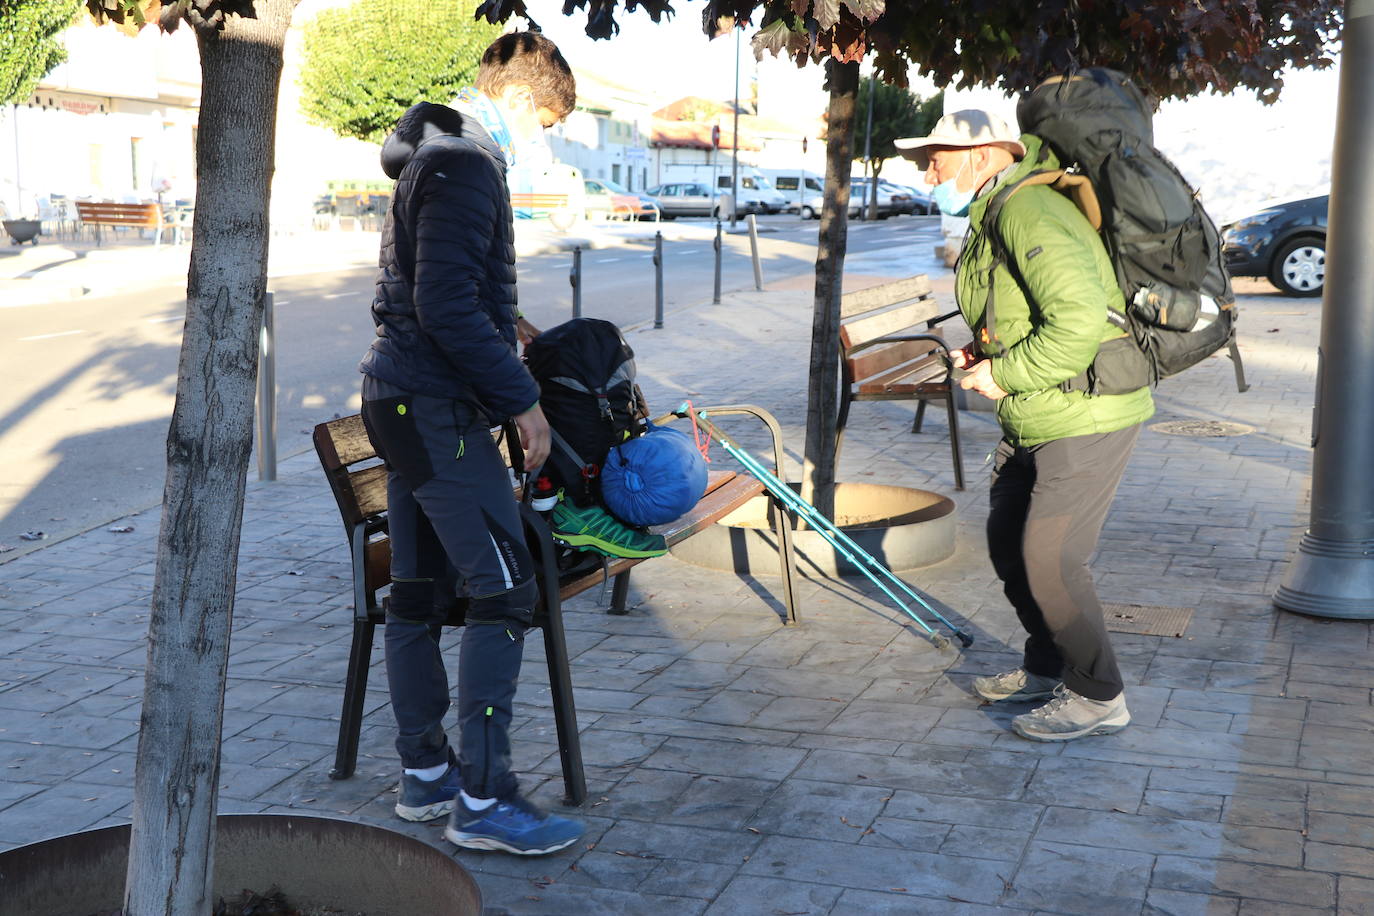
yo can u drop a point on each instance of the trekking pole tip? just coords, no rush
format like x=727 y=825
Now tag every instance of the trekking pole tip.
x=964 y=639
x=939 y=641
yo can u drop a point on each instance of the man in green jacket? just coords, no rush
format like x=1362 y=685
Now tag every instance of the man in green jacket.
x=1039 y=315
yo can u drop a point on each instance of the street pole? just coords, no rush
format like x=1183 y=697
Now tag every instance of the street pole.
x=658 y=281
x=267 y=394
x=19 y=181
x=868 y=146
x=734 y=142
x=575 y=278
x=1332 y=574
x=754 y=251
x=715 y=297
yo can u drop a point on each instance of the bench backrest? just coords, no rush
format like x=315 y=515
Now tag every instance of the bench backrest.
x=357 y=477
x=892 y=308
x=147 y=216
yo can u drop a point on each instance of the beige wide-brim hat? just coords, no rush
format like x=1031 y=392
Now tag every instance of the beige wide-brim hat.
x=961 y=130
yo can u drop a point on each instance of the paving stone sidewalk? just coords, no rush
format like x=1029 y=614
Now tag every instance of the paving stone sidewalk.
x=838 y=767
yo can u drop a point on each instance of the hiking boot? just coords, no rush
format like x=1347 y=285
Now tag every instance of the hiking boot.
x=1019 y=686
x=1069 y=716
x=511 y=824
x=593 y=528
x=428 y=800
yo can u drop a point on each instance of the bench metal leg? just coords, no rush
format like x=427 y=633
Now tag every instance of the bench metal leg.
x=355 y=688
x=920 y=415
x=954 y=439
x=782 y=526
x=556 y=654
x=1237 y=365
x=620 y=593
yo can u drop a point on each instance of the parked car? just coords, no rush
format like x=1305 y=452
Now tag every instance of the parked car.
x=689 y=198
x=921 y=201
x=889 y=204
x=799 y=189
x=609 y=200
x=1285 y=243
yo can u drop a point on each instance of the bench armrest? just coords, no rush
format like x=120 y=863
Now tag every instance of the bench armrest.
x=758 y=413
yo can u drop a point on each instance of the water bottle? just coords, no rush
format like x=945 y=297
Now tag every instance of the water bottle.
x=544 y=497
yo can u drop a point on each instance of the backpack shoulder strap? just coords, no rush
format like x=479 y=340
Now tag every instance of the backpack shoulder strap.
x=992 y=230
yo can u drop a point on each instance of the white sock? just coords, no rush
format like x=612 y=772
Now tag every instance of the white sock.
x=428 y=774
x=477 y=804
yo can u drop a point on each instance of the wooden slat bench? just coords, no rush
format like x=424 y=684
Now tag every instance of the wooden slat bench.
x=134 y=216
x=358 y=480
x=890 y=351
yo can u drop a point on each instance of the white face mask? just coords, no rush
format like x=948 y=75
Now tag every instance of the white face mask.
x=531 y=152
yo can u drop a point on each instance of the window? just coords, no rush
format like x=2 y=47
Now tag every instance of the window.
x=786 y=183
x=814 y=184
x=615 y=173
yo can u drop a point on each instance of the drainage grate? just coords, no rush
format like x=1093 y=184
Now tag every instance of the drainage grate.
x=1147 y=619
x=1202 y=429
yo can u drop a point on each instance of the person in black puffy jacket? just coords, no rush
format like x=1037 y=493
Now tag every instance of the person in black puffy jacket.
x=442 y=371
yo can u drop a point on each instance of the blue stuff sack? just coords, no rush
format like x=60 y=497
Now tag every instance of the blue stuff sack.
x=654 y=479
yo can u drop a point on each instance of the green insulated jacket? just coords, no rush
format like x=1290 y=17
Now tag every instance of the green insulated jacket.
x=1052 y=328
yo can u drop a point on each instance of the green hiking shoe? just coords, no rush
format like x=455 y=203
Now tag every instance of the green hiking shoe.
x=593 y=528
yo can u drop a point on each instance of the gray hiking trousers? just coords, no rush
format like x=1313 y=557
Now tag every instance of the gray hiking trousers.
x=1047 y=507
x=455 y=529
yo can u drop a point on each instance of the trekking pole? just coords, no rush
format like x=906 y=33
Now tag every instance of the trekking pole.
x=658 y=281
x=831 y=534
x=575 y=278
x=754 y=250
x=715 y=297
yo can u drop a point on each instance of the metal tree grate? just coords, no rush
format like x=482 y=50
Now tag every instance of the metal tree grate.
x=1147 y=619
x=1202 y=429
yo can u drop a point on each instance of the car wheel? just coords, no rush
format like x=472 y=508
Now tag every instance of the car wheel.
x=808 y=212
x=1299 y=269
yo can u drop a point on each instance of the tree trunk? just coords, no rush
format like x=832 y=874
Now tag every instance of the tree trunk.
x=822 y=398
x=171 y=854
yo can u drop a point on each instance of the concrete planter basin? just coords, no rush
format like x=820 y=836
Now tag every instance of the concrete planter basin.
x=23 y=230
x=904 y=528
x=317 y=862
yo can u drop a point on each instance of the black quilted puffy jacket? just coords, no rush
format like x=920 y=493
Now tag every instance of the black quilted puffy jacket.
x=445 y=302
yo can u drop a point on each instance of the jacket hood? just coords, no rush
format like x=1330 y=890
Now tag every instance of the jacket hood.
x=420 y=123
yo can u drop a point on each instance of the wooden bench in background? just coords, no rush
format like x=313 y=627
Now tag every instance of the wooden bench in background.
x=130 y=216
x=890 y=351
x=358 y=480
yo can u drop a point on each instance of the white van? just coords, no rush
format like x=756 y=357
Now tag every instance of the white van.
x=804 y=192
x=756 y=192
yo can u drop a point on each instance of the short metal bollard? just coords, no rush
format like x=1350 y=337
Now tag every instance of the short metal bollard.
x=575 y=278
x=715 y=298
x=267 y=394
x=658 y=280
x=754 y=249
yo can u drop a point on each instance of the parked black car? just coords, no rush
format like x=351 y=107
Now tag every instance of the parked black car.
x=1286 y=243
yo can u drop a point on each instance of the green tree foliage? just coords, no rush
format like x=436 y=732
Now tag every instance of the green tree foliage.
x=28 y=43
x=365 y=64
x=897 y=112
x=1172 y=48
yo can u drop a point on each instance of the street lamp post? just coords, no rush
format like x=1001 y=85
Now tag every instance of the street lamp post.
x=1332 y=574
x=868 y=146
x=734 y=142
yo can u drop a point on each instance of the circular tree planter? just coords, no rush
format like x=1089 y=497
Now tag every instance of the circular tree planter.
x=903 y=528
x=316 y=862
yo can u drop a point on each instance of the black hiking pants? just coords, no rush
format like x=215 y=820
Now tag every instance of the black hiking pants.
x=455 y=529
x=1048 y=505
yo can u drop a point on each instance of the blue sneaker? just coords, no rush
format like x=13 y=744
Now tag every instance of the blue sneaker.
x=512 y=825
x=428 y=800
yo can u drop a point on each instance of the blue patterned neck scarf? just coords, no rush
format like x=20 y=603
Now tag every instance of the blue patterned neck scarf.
x=471 y=102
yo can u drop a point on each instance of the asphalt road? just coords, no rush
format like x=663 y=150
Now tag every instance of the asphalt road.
x=87 y=387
